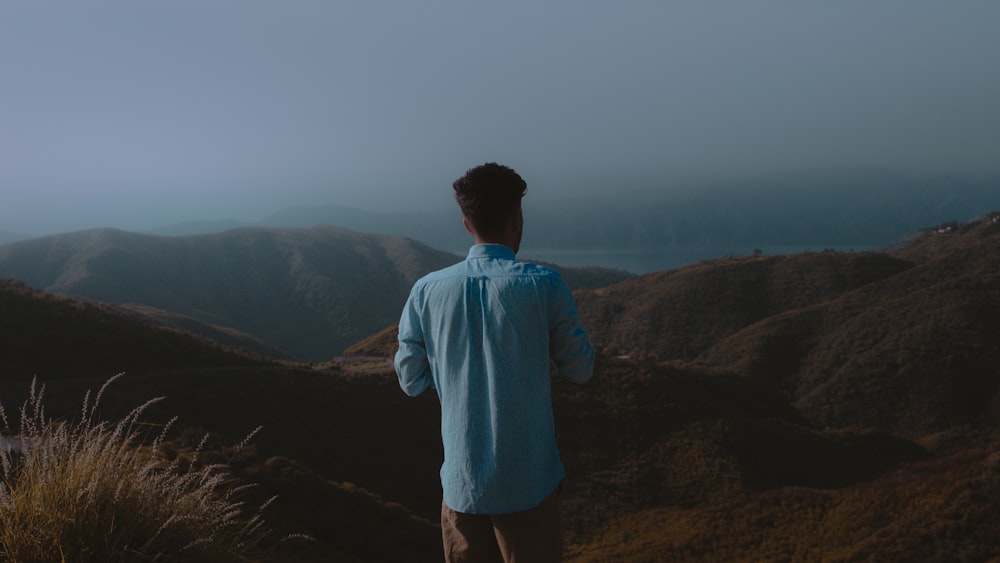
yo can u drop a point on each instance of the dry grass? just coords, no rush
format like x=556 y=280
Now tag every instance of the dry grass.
x=91 y=491
x=943 y=509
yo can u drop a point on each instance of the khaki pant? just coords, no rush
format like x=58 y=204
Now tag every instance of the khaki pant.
x=529 y=536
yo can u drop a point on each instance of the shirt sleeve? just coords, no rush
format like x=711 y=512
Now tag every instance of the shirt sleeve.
x=412 y=366
x=569 y=346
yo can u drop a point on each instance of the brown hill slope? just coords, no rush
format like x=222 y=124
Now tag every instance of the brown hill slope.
x=50 y=336
x=638 y=439
x=943 y=509
x=677 y=314
x=913 y=353
x=326 y=441
x=223 y=335
x=720 y=458
x=309 y=292
x=643 y=435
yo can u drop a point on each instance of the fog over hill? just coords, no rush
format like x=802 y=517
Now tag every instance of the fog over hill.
x=6 y=236
x=665 y=228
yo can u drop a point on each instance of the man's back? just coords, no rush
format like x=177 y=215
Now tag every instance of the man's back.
x=482 y=333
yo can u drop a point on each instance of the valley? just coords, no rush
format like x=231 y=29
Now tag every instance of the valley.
x=807 y=407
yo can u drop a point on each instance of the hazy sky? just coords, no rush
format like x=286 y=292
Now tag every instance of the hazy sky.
x=138 y=113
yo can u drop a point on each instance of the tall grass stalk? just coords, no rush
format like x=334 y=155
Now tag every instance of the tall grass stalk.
x=89 y=491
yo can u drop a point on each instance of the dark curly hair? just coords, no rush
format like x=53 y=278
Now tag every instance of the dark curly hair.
x=488 y=195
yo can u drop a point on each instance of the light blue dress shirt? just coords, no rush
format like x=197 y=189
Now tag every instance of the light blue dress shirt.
x=482 y=333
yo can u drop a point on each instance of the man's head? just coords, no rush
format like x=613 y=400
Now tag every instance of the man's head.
x=490 y=198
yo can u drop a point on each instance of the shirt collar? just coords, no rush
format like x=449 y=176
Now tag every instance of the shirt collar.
x=491 y=251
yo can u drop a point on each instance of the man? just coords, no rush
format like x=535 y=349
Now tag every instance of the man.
x=483 y=333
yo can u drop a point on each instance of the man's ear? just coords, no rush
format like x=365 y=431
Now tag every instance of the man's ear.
x=468 y=225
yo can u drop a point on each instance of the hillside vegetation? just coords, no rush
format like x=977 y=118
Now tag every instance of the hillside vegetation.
x=907 y=342
x=56 y=337
x=678 y=314
x=825 y=406
x=822 y=406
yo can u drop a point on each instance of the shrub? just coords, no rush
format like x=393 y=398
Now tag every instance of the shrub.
x=92 y=491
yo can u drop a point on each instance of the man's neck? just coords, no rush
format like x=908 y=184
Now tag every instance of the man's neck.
x=493 y=240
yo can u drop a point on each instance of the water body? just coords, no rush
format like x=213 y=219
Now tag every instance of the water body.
x=642 y=261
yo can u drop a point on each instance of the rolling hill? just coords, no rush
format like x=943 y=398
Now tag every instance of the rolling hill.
x=677 y=314
x=58 y=337
x=300 y=293
x=309 y=293
x=907 y=342
x=316 y=417
x=826 y=406
x=638 y=437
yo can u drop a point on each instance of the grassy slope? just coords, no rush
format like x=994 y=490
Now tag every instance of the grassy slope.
x=914 y=353
x=944 y=509
x=57 y=337
x=74 y=345
x=677 y=314
x=703 y=460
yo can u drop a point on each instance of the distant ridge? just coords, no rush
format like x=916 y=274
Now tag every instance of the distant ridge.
x=197 y=227
x=305 y=294
x=308 y=292
x=863 y=208
x=684 y=221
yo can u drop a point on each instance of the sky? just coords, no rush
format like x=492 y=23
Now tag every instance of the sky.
x=141 y=113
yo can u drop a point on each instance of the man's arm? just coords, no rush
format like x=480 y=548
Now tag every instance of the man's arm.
x=569 y=345
x=412 y=367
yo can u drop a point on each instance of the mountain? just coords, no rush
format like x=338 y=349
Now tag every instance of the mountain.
x=913 y=353
x=637 y=437
x=297 y=293
x=197 y=227
x=73 y=345
x=827 y=405
x=678 y=314
x=845 y=410
x=57 y=337
x=223 y=335
x=308 y=292
x=907 y=342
